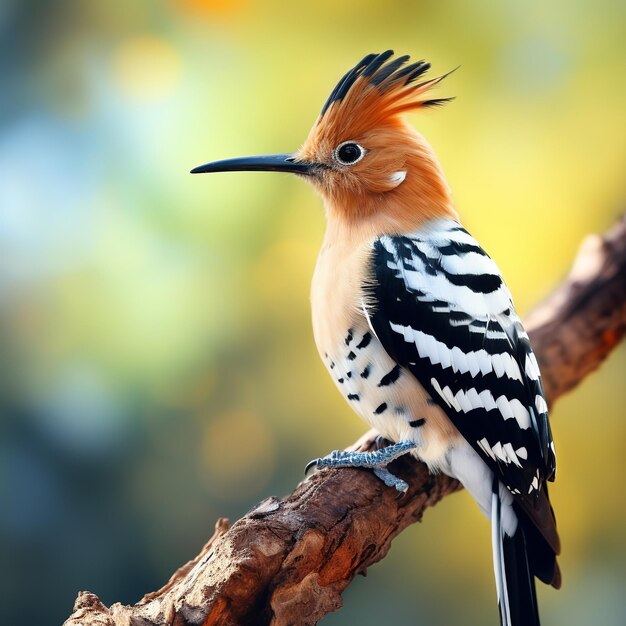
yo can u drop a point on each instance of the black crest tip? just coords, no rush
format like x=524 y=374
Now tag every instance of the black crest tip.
x=437 y=102
x=386 y=71
x=367 y=67
x=385 y=74
x=347 y=80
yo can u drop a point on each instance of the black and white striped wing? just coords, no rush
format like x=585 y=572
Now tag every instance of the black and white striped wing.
x=440 y=308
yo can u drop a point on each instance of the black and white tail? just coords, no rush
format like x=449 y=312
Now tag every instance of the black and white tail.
x=515 y=583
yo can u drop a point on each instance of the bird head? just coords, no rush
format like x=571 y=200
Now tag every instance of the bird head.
x=363 y=157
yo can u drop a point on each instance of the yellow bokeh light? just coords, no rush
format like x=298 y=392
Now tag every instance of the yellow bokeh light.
x=146 y=67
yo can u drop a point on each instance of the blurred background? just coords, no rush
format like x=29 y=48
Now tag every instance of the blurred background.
x=157 y=363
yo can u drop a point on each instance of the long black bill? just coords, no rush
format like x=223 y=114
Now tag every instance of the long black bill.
x=266 y=163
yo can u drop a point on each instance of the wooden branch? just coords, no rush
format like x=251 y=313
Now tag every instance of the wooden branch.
x=288 y=560
x=575 y=329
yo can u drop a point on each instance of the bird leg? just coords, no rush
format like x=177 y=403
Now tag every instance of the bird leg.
x=377 y=461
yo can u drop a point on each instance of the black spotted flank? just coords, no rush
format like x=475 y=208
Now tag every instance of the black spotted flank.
x=351 y=356
x=366 y=372
x=391 y=377
x=367 y=337
x=381 y=408
x=349 y=374
x=417 y=423
x=349 y=337
x=354 y=396
x=340 y=381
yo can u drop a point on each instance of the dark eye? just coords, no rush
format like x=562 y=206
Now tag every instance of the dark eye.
x=349 y=153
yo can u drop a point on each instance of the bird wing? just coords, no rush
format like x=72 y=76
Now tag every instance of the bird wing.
x=440 y=308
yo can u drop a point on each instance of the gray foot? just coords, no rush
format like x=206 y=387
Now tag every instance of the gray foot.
x=390 y=480
x=377 y=461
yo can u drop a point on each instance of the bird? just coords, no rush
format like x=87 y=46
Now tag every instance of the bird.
x=415 y=324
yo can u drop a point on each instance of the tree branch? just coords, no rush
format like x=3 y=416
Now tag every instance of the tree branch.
x=288 y=560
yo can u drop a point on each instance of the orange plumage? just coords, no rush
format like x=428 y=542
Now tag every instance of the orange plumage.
x=368 y=194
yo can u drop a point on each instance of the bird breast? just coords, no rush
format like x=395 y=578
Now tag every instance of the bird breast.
x=383 y=393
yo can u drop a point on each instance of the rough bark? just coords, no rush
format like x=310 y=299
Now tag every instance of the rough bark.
x=288 y=560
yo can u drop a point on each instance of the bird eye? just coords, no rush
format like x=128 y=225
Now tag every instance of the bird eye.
x=349 y=153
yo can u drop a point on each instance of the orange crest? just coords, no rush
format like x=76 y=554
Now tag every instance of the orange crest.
x=364 y=112
x=374 y=93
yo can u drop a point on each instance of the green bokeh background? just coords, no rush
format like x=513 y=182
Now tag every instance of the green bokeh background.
x=157 y=364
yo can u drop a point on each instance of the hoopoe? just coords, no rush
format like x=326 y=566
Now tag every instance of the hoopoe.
x=415 y=324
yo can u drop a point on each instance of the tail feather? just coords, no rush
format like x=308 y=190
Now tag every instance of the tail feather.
x=515 y=582
x=542 y=540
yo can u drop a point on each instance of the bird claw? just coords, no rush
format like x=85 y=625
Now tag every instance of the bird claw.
x=330 y=460
x=310 y=464
x=376 y=461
